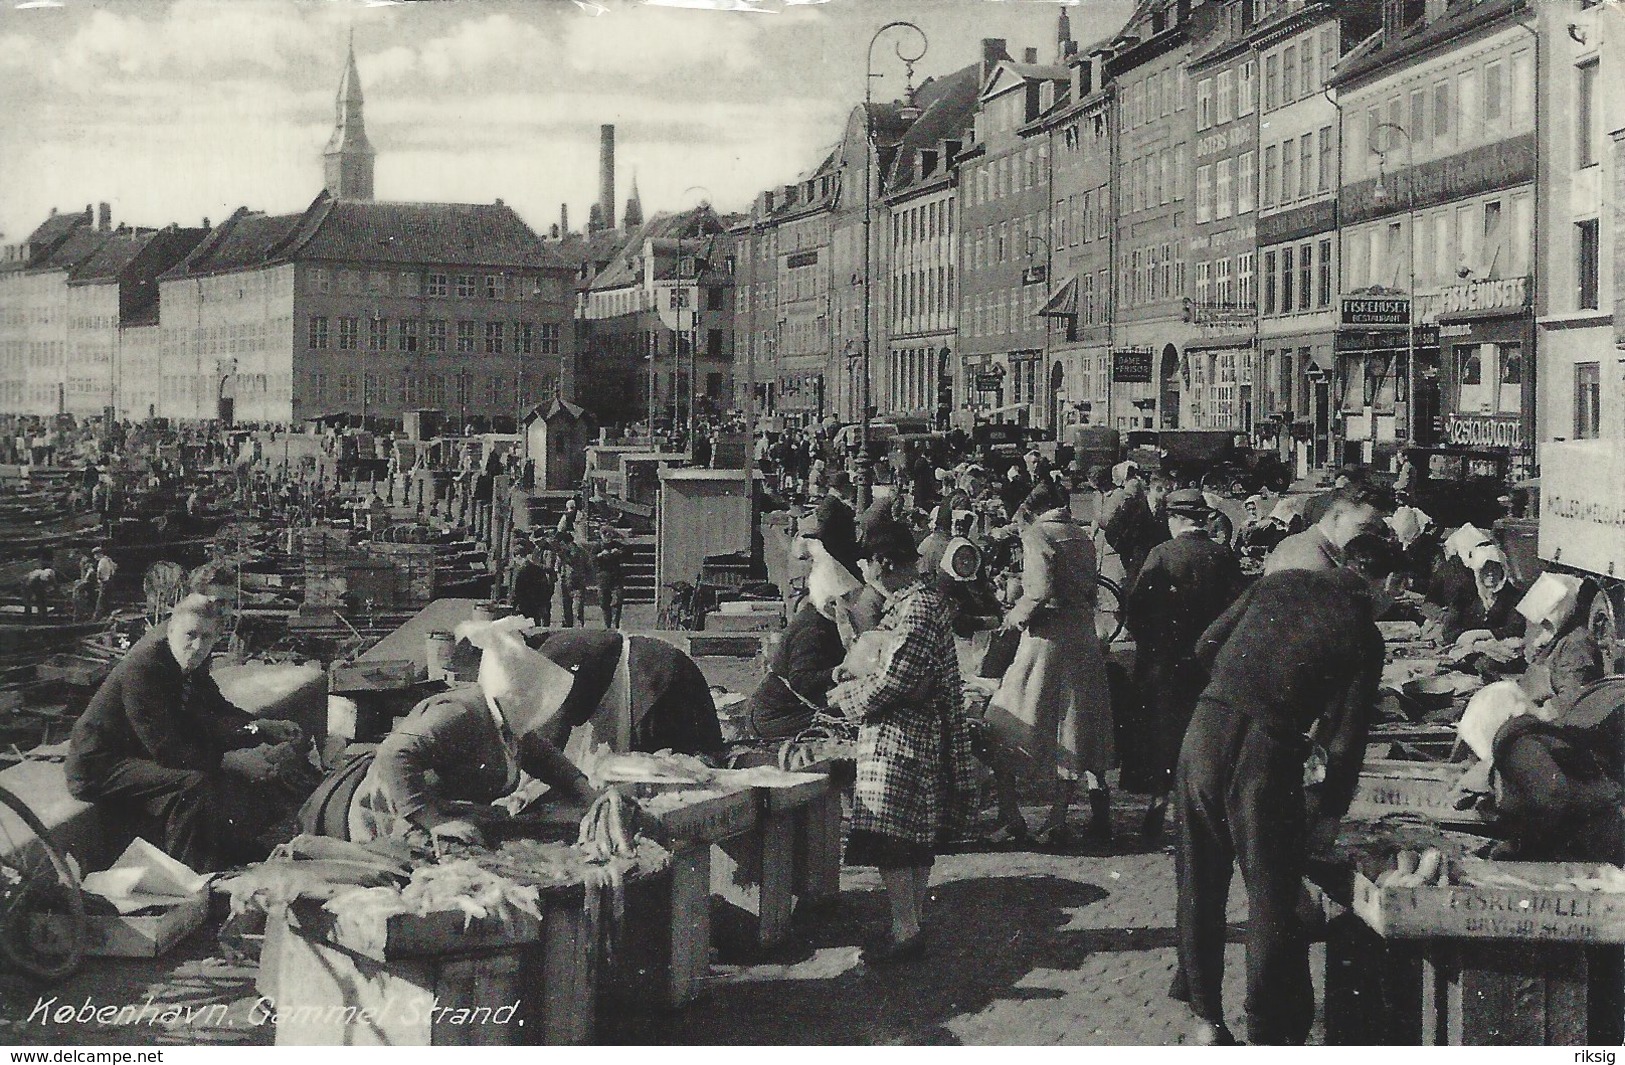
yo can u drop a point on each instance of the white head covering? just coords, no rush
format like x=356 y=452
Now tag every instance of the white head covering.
x=1408 y=523
x=1478 y=557
x=529 y=686
x=1551 y=599
x=1464 y=539
x=956 y=545
x=1121 y=473
x=1491 y=707
x=828 y=579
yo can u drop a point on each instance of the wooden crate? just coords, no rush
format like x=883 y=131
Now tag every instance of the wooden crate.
x=667 y=955
x=1427 y=788
x=542 y=991
x=372 y=676
x=706 y=815
x=1507 y=994
x=1544 y=916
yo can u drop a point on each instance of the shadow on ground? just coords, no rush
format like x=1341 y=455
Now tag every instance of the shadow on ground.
x=987 y=935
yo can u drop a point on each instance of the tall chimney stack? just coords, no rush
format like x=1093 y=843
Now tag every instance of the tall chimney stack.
x=606 y=176
x=104 y=217
x=564 y=220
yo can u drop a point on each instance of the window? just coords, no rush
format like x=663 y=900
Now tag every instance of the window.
x=1467 y=238
x=1204 y=194
x=1246 y=285
x=1245 y=178
x=347 y=334
x=1286 y=280
x=1328 y=165
x=377 y=334
x=378 y=283
x=465 y=338
x=1323 y=291
x=1289 y=172
x=550 y=338
x=1510 y=397
x=1494 y=92
x=1289 y=73
x=318 y=332
x=1226 y=104
x=407 y=335
x=1223 y=205
x=1221 y=283
x=1204 y=103
x=1307 y=83
x=1467 y=106
x=436 y=285
x=1204 y=286
x=1165 y=177
x=1306 y=276
x=1587 y=400
x=1587 y=263
x=1470 y=378
x=1306 y=164
x=465 y=286
x=1441 y=112
x=437 y=337
x=1269 y=282
x=1328 y=52
x=1171 y=282
x=713 y=343
x=1588 y=116
x=1246 y=88
x=1272 y=177
x=324 y=280
x=349 y=282
x=1272 y=82
x=407 y=284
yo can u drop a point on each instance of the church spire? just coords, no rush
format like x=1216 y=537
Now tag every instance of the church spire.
x=348 y=158
x=634 y=206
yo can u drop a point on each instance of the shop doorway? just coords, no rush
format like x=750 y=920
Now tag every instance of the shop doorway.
x=1322 y=441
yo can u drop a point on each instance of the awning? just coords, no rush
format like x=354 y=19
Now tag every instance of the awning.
x=1063 y=302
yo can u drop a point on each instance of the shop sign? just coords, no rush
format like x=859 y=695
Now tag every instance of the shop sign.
x=800 y=259
x=1466 y=430
x=989 y=380
x=1483 y=169
x=1483 y=297
x=1461 y=330
x=1132 y=366
x=1376 y=310
x=1299 y=222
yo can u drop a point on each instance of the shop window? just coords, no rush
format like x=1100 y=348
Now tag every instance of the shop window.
x=1510 y=400
x=1471 y=396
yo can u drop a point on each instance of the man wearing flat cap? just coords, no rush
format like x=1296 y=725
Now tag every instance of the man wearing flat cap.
x=1185 y=584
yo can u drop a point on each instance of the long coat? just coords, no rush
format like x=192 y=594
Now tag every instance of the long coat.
x=913 y=757
x=1054 y=704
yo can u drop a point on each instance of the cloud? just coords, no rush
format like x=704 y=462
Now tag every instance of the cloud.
x=652 y=44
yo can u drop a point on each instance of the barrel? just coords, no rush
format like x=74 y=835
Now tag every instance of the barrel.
x=438 y=647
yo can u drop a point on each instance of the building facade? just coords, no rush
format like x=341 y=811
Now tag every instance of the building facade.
x=1437 y=212
x=1219 y=368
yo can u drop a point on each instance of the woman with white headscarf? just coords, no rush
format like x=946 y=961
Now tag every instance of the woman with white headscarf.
x=802 y=670
x=1562 y=652
x=1491 y=604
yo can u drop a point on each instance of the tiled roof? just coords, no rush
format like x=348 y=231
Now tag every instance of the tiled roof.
x=1377 y=51
x=948 y=111
x=626 y=266
x=243 y=241
x=58 y=226
x=116 y=252
x=77 y=248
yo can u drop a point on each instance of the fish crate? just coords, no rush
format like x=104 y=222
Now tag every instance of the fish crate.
x=414 y=567
x=1389 y=786
x=435 y=986
x=1541 y=911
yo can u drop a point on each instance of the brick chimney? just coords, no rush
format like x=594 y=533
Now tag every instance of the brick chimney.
x=104 y=217
x=993 y=53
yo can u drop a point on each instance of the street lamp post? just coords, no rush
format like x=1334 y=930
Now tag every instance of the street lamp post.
x=868 y=243
x=1379 y=194
x=1032 y=277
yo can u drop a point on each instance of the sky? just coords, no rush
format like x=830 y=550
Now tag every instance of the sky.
x=176 y=110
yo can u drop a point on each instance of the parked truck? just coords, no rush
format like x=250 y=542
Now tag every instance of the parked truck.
x=1582 y=530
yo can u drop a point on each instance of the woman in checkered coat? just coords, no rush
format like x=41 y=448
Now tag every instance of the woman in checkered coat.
x=914 y=765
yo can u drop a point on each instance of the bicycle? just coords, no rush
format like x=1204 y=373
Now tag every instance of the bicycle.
x=42 y=906
x=1109 y=619
x=678 y=615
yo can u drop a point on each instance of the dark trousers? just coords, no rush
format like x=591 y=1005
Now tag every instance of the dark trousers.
x=575 y=606
x=1171 y=684
x=537 y=607
x=208 y=820
x=610 y=598
x=1239 y=800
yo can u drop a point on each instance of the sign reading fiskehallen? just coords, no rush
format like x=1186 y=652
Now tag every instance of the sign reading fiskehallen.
x=1376 y=310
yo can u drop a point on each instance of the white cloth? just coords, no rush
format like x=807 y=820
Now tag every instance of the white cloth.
x=1464 y=539
x=1551 y=600
x=530 y=687
x=827 y=579
x=1491 y=707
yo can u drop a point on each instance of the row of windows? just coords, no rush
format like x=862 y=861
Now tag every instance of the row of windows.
x=1154 y=97
x=1300 y=68
x=1081 y=218
x=410 y=283
x=1230 y=95
x=1299 y=278
x=1225 y=188
x=927 y=221
x=1485 y=238
x=1156 y=178
x=1008 y=175
x=1299 y=168
x=1155 y=273
x=1011 y=310
x=412 y=335
x=926 y=291
x=412 y=389
x=1217 y=286
x=93 y=321
x=1006 y=242
x=1445 y=115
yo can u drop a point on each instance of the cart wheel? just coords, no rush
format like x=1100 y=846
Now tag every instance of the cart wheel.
x=42 y=909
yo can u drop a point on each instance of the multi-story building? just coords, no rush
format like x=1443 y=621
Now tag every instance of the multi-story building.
x=1578 y=368
x=1299 y=380
x=922 y=251
x=1220 y=363
x=1155 y=129
x=756 y=303
x=75 y=300
x=660 y=309
x=1437 y=211
x=1082 y=230
x=1004 y=239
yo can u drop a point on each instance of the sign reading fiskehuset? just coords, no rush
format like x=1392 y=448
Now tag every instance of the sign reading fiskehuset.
x=1376 y=310
x=1487 y=296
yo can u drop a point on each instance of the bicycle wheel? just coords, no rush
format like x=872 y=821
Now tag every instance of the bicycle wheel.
x=1109 y=622
x=42 y=909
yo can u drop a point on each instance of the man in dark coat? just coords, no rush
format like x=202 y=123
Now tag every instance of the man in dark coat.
x=1185 y=584
x=609 y=563
x=531 y=588
x=163 y=750
x=1300 y=650
x=835 y=523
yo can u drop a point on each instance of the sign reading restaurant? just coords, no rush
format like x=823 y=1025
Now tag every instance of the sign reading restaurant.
x=1376 y=310
x=1467 y=430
